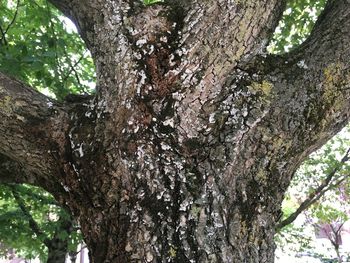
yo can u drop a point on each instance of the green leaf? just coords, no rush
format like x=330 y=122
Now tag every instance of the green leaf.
x=151 y=2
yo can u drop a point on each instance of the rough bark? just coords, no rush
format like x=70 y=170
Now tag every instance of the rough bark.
x=12 y=172
x=194 y=134
x=33 y=134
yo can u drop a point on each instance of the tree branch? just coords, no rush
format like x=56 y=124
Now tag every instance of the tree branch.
x=315 y=195
x=218 y=34
x=13 y=172
x=308 y=89
x=38 y=197
x=323 y=66
x=91 y=18
x=13 y=19
x=33 y=130
x=104 y=27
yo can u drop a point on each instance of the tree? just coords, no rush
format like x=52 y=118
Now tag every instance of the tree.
x=323 y=173
x=193 y=136
x=33 y=224
x=319 y=191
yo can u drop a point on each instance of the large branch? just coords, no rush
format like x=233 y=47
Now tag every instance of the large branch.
x=100 y=23
x=217 y=35
x=170 y=41
x=105 y=26
x=13 y=172
x=300 y=100
x=321 y=68
x=308 y=89
x=33 y=132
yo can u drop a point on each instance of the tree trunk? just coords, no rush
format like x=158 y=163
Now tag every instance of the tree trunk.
x=338 y=254
x=189 y=145
x=58 y=245
x=57 y=251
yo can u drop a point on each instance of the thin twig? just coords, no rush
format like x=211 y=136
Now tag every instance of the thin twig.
x=13 y=19
x=3 y=38
x=72 y=69
x=58 y=68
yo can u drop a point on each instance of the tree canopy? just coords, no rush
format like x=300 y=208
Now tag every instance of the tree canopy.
x=39 y=46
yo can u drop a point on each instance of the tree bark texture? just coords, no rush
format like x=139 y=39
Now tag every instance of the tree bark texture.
x=194 y=134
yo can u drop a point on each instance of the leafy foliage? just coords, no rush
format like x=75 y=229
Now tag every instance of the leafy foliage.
x=151 y=2
x=38 y=45
x=15 y=229
x=296 y=24
x=330 y=210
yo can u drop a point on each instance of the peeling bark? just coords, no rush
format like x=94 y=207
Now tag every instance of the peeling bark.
x=186 y=151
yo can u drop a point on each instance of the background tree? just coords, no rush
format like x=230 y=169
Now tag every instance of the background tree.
x=319 y=192
x=33 y=224
x=186 y=150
